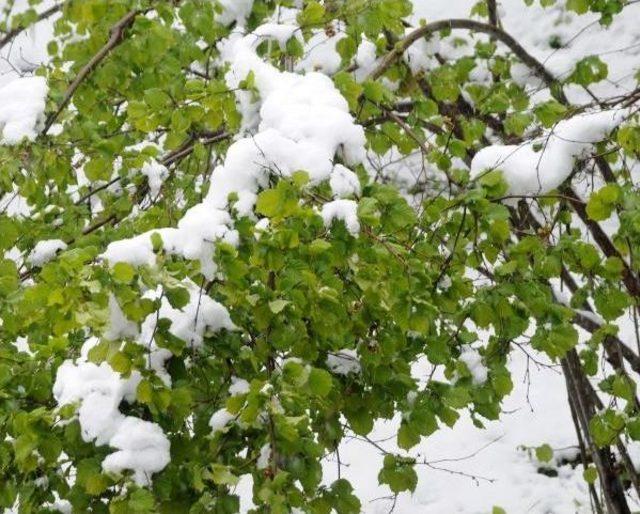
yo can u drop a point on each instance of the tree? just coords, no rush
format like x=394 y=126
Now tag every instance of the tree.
x=206 y=279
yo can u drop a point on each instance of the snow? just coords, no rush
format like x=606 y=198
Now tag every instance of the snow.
x=366 y=59
x=320 y=53
x=235 y=11
x=202 y=314
x=421 y=55
x=220 y=419
x=22 y=104
x=14 y=205
x=535 y=413
x=98 y=390
x=194 y=238
x=29 y=49
x=142 y=446
x=344 y=362
x=303 y=123
x=156 y=174
x=535 y=27
x=344 y=210
x=119 y=326
x=238 y=386
x=45 y=250
x=137 y=251
x=344 y=182
x=539 y=166
x=473 y=360
x=280 y=32
x=264 y=456
x=22 y=345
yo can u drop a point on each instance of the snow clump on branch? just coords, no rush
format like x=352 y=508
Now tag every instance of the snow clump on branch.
x=539 y=166
x=303 y=123
x=22 y=104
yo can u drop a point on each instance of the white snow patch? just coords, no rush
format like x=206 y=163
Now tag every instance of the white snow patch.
x=366 y=59
x=45 y=250
x=263 y=458
x=22 y=104
x=537 y=167
x=238 y=386
x=473 y=360
x=344 y=362
x=119 y=326
x=220 y=419
x=201 y=314
x=344 y=182
x=304 y=123
x=235 y=11
x=344 y=210
x=320 y=53
x=141 y=446
x=156 y=174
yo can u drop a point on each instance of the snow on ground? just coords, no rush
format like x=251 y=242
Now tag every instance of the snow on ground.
x=536 y=413
x=474 y=469
x=540 y=29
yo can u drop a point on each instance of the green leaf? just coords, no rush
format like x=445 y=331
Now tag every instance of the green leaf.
x=221 y=475
x=398 y=474
x=141 y=500
x=9 y=280
x=312 y=14
x=178 y=297
x=633 y=428
x=280 y=202
x=123 y=272
x=277 y=306
x=590 y=474
x=589 y=70
x=544 y=453
x=120 y=362
x=550 y=112
x=602 y=203
x=98 y=168
x=408 y=437
x=348 y=87
x=144 y=392
x=579 y=6
x=90 y=477
x=320 y=382
x=611 y=302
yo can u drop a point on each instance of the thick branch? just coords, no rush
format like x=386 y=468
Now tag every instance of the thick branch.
x=630 y=281
x=612 y=489
x=613 y=345
x=492 y=8
x=474 y=26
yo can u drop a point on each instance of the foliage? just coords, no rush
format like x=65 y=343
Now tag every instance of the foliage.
x=435 y=266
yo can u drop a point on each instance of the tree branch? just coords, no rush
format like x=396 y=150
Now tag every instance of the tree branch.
x=117 y=33
x=474 y=26
x=493 y=13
